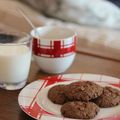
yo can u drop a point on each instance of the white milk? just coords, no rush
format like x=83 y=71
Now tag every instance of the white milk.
x=14 y=63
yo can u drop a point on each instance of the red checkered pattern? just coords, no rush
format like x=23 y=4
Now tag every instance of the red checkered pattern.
x=35 y=111
x=53 y=49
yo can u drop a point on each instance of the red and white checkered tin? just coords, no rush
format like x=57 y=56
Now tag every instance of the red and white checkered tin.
x=54 y=45
x=45 y=110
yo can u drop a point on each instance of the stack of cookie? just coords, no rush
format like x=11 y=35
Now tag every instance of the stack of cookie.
x=81 y=100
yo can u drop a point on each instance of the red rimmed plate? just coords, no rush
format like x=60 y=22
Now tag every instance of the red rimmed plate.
x=34 y=102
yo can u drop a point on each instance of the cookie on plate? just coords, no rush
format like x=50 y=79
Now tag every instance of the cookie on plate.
x=109 y=98
x=83 y=91
x=80 y=110
x=56 y=94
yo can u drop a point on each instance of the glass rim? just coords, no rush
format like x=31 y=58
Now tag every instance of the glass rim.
x=21 y=38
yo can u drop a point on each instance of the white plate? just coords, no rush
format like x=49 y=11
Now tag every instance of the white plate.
x=34 y=102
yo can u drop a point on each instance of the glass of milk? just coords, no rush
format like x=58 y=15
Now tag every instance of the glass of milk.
x=15 y=59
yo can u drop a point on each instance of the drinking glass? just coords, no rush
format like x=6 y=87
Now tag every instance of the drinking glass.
x=15 y=59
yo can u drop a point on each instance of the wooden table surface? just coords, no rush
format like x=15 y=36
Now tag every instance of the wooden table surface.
x=9 y=108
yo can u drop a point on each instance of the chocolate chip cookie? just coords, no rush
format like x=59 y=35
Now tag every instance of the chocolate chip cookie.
x=83 y=91
x=109 y=98
x=80 y=110
x=56 y=94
